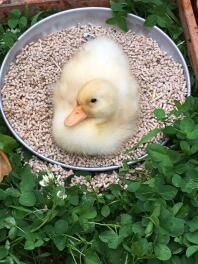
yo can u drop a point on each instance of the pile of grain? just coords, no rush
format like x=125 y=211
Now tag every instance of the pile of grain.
x=97 y=182
x=27 y=92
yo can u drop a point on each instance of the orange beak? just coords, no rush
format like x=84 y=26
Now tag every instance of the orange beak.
x=76 y=116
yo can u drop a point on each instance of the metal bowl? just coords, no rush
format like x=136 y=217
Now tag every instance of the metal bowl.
x=93 y=15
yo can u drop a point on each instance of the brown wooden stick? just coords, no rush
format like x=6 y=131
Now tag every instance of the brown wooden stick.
x=5 y=167
x=190 y=30
x=196 y=9
x=37 y=5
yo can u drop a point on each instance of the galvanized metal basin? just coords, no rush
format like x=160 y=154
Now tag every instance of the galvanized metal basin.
x=93 y=15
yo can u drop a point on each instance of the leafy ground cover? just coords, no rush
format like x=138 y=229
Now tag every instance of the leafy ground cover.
x=152 y=221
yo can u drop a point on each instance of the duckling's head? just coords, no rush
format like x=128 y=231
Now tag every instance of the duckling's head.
x=97 y=99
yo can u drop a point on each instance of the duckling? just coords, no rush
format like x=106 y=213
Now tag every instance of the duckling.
x=95 y=100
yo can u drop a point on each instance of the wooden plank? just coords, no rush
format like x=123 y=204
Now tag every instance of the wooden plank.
x=190 y=30
x=37 y=5
x=196 y=10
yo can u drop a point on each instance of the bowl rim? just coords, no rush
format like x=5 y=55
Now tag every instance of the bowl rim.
x=62 y=164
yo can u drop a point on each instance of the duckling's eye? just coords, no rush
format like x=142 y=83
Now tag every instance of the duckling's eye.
x=93 y=100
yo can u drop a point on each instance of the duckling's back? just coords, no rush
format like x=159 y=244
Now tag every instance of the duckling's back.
x=101 y=58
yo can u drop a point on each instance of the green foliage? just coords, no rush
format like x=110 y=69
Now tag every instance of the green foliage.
x=17 y=23
x=161 y=13
x=7 y=143
x=119 y=15
x=153 y=221
x=156 y=12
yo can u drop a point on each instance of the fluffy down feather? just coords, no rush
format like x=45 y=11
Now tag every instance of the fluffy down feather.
x=100 y=71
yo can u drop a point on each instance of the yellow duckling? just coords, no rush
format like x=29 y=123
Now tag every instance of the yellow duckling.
x=95 y=100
